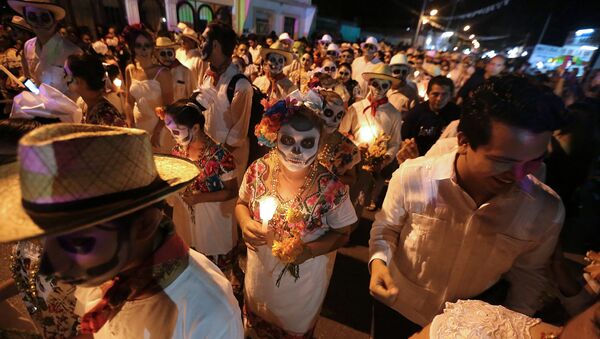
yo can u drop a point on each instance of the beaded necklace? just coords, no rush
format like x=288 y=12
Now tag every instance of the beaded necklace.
x=305 y=185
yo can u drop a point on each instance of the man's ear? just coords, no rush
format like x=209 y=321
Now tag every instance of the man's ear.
x=145 y=225
x=463 y=143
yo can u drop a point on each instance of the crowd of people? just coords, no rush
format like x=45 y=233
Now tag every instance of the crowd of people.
x=198 y=184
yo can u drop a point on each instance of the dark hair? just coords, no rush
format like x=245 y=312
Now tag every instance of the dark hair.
x=349 y=50
x=511 y=100
x=441 y=81
x=224 y=34
x=347 y=65
x=13 y=129
x=89 y=68
x=186 y=112
x=131 y=33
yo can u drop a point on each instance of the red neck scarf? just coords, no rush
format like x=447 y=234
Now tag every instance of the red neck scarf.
x=273 y=79
x=374 y=104
x=157 y=272
x=215 y=73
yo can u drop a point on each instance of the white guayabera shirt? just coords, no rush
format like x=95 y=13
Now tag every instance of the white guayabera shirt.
x=440 y=246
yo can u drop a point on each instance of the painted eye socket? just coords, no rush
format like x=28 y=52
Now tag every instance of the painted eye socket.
x=339 y=115
x=287 y=140
x=385 y=85
x=308 y=143
x=328 y=112
x=80 y=245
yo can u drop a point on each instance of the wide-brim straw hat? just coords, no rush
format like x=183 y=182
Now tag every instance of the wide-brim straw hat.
x=73 y=176
x=19 y=5
x=277 y=48
x=381 y=71
x=188 y=32
x=19 y=22
x=165 y=42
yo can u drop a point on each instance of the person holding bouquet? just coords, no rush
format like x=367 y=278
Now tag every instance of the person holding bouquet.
x=294 y=214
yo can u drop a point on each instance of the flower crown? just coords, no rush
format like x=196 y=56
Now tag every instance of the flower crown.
x=282 y=111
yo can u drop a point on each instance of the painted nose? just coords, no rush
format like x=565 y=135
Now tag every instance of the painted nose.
x=296 y=150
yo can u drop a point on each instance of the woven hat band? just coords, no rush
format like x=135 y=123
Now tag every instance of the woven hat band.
x=63 y=165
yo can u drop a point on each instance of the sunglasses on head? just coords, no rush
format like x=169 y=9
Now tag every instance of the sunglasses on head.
x=142 y=46
x=329 y=68
x=167 y=53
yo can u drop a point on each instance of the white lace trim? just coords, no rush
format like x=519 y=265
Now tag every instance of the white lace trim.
x=477 y=319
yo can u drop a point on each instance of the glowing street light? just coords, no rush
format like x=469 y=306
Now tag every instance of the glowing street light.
x=472 y=36
x=466 y=28
x=433 y=12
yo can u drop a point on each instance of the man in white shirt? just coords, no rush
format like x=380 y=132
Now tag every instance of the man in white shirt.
x=44 y=56
x=452 y=225
x=226 y=120
x=104 y=230
x=189 y=54
x=366 y=63
x=254 y=47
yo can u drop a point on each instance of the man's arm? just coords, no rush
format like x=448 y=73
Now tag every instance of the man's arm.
x=528 y=277
x=239 y=114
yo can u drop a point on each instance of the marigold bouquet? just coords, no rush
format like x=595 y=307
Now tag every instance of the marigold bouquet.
x=288 y=227
x=374 y=154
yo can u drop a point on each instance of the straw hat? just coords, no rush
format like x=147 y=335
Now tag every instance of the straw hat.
x=277 y=48
x=165 y=42
x=19 y=22
x=19 y=5
x=188 y=32
x=381 y=71
x=73 y=176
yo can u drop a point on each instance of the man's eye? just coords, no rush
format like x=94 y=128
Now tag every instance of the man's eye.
x=287 y=140
x=328 y=113
x=308 y=143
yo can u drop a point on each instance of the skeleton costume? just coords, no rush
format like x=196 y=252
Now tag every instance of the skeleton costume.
x=183 y=80
x=282 y=306
x=362 y=65
x=274 y=83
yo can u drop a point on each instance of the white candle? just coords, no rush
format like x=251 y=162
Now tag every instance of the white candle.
x=267 y=208
x=117 y=82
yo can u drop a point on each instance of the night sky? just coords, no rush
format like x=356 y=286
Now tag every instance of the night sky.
x=518 y=19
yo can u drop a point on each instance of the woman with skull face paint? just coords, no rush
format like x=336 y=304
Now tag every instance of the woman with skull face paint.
x=281 y=306
x=203 y=213
x=340 y=154
x=147 y=86
x=274 y=84
x=344 y=76
x=301 y=76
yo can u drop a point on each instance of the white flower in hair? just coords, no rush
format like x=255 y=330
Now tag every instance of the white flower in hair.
x=312 y=100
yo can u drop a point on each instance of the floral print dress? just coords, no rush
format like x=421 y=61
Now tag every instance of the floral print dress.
x=290 y=310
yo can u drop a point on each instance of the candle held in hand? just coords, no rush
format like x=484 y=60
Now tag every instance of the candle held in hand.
x=267 y=207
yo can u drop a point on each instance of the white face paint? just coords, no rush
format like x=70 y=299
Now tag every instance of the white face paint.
x=181 y=134
x=378 y=88
x=275 y=62
x=332 y=115
x=297 y=150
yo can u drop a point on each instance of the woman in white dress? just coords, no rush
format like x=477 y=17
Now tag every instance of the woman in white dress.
x=203 y=213
x=147 y=86
x=291 y=255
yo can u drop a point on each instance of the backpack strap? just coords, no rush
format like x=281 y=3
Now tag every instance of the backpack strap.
x=232 y=83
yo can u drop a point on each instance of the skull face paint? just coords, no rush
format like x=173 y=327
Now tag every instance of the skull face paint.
x=275 y=62
x=332 y=115
x=378 y=88
x=166 y=56
x=297 y=149
x=39 y=18
x=181 y=134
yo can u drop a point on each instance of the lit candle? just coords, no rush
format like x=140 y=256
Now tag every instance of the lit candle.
x=367 y=134
x=117 y=82
x=267 y=207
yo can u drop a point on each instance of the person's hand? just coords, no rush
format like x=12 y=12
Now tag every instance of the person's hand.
x=382 y=286
x=408 y=150
x=253 y=234
x=363 y=147
x=305 y=255
x=190 y=198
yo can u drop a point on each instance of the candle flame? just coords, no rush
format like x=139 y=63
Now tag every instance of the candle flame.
x=367 y=134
